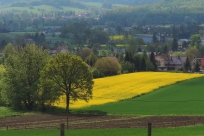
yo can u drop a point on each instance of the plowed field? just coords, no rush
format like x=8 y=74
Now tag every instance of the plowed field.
x=47 y=121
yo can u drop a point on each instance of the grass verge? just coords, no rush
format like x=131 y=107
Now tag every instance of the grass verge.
x=181 y=131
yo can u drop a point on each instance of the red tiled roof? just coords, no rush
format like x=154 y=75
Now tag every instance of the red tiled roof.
x=202 y=62
x=59 y=48
x=53 y=51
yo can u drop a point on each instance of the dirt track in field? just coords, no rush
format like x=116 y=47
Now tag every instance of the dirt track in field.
x=47 y=121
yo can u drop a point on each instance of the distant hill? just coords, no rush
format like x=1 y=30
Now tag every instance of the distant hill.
x=71 y=3
x=54 y=3
x=166 y=12
x=125 y=2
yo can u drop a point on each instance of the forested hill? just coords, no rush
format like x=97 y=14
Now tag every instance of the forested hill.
x=166 y=12
x=72 y=2
x=54 y=3
x=125 y=2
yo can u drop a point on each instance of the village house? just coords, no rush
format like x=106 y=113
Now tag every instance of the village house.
x=175 y=62
x=202 y=63
x=166 y=62
x=62 y=49
x=53 y=52
x=48 y=32
x=160 y=59
x=119 y=51
x=29 y=41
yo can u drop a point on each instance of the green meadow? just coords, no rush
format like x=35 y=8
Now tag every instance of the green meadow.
x=183 y=98
x=182 y=131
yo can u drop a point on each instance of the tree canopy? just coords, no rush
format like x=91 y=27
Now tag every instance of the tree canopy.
x=22 y=75
x=108 y=66
x=69 y=75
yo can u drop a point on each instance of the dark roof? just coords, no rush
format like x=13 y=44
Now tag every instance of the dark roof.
x=117 y=50
x=177 y=60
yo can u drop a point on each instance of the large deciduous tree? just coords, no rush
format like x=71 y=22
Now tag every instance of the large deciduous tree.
x=127 y=67
x=22 y=76
x=1 y=83
x=108 y=66
x=84 y=53
x=192 y=53
x=69 y=75
x=195 y=40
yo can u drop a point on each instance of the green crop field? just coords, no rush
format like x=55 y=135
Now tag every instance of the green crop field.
x=184 y=98
x=14 y=34
x=182 y=131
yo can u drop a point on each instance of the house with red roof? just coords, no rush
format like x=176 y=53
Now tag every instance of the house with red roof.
x=62 y=49
x=202 y=63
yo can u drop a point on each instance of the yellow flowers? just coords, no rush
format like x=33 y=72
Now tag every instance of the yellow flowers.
x=116 y=88
x=116 y=37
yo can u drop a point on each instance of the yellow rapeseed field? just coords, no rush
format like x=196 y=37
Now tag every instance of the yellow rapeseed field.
x=116 y=37
x=116 y=88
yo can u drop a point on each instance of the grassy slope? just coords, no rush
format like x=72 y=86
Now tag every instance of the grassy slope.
x=187 y=131
x=184 y=98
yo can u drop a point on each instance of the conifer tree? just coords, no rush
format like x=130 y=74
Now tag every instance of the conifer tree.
x=143 y=64
x=197 y=66
x=187 y=65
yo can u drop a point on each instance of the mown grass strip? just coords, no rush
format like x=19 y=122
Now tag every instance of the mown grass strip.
x=180 y=131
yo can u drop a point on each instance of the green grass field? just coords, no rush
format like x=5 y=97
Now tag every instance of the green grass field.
x=182 y=131
x=14 y=34
x=184 y=98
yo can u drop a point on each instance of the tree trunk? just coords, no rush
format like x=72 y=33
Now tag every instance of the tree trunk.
x=67 y=109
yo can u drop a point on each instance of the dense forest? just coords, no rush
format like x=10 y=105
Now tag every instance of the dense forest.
x=167 y=12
